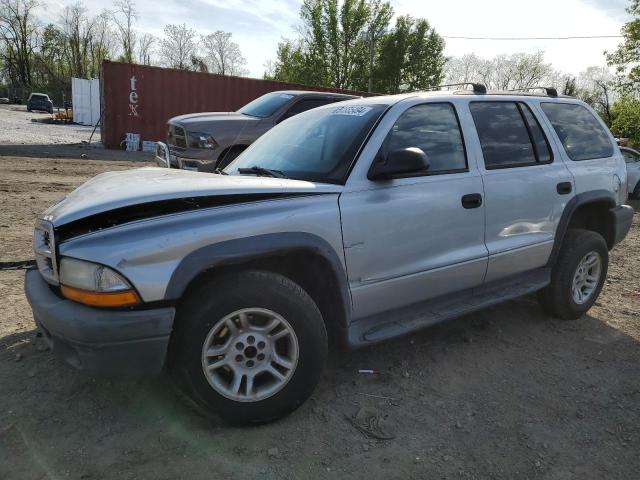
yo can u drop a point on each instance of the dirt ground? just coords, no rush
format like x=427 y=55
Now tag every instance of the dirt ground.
x=507 y=393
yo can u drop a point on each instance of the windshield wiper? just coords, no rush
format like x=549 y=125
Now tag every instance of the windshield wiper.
x=219 y=171
x=262 y=171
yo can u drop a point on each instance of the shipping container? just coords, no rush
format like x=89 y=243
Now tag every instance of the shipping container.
x=140 y=99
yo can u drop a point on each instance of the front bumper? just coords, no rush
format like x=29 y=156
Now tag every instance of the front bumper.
x=115 y=343
x=622 y=220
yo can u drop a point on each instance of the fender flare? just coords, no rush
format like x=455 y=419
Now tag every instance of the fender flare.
x=576 y=202
x=254 y=248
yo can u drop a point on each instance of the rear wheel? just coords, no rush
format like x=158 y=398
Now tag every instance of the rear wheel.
x=636 y=192
x=578 y=275
x=249 y=347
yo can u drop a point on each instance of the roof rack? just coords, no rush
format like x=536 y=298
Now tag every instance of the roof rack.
x=477 y=87
x=551 y=91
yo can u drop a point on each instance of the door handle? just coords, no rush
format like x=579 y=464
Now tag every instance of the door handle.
x=563 y=188
x=472 y=200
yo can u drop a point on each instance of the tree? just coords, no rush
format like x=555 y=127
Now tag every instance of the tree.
x=103 y=42
x=627 y=119
x=379 y=17
x=503 y=72
x=410 y=57
x=124 y=17
x=348 y=45
x=145 y=48
x=595 y=86
x=626 y=58
x=222 y=55
x=77 y=30
x=18 y=33
x=178 y=46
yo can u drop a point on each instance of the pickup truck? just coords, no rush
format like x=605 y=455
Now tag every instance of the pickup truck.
x=210 y=140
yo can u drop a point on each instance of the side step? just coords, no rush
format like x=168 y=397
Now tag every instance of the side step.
x=395 y=323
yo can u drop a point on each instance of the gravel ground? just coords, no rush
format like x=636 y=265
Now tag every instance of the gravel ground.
x=26 y=128
x=506 y=393
x=23 y=134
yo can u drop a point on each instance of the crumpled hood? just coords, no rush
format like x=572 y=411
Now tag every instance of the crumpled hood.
x=115 y=190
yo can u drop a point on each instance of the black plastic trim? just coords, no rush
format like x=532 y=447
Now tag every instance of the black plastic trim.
x=254 y=248
x=579 y=200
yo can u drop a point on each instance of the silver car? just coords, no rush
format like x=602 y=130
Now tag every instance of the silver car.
x=351 y=223
x=632 y=158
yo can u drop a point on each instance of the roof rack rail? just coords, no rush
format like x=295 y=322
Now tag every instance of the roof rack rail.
x=477 y=87
x=550 y=91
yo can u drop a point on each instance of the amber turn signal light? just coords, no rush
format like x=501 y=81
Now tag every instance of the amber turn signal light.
x=124 y=298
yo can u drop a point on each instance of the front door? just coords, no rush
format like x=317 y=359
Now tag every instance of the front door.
x=422 y=236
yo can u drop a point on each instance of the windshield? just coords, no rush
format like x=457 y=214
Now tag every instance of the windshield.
x=318 y=145
x=266 y=105
x=39 y=97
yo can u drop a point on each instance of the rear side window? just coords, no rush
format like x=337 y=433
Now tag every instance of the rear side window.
x=308 y=104
x=579 y=131
x=510 y=135
x=434 y=128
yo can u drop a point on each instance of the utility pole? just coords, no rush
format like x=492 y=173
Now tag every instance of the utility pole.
x=370 y=58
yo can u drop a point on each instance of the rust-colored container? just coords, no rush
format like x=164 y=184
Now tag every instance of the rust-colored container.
x=140 y=99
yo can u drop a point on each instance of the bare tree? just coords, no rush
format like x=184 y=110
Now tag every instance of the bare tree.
x=77 y=29
x=178 y=46
x=595 y=86
x=222 y=55
x=503 y=72
x=103 y=44
x=18 y=35
x=145 y=48
x=124 y=17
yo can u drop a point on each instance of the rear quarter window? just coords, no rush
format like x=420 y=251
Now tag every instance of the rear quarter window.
x=579 y=131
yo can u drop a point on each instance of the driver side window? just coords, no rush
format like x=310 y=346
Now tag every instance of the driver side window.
x=434 y=128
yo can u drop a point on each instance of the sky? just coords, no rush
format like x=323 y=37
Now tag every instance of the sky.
x=258 y=25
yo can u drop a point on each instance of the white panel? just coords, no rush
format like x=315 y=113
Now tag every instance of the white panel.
x=95 y=101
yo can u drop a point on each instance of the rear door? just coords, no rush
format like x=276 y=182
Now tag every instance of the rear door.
x=414 y=238
x=526 y=186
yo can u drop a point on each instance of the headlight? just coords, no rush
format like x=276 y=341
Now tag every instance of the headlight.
x=94 y=284
x=202 y=140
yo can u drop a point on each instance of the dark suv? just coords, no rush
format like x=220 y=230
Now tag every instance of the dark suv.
x=209 y=140
x=39 y=101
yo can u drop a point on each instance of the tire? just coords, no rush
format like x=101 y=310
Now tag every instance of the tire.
x=559 y=297
x=636 y=192
x=228 y=157
x=259 y=295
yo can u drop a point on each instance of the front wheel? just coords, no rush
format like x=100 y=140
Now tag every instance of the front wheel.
x=249 y=347
x=578 y=275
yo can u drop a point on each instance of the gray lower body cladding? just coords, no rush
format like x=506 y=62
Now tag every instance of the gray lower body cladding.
x=122 y=343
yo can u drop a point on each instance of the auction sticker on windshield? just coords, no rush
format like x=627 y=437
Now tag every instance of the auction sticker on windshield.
x=352 y=110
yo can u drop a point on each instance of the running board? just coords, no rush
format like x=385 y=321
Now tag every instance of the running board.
x=395 y=323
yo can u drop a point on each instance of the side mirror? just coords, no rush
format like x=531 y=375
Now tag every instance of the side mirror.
x=400 y=162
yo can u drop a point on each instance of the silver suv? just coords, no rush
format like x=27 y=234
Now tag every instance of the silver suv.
x=351 y=223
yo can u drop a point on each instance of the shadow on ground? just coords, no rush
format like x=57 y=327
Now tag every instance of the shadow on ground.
x=74 y=151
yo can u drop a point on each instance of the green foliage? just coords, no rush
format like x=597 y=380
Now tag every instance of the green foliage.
x=626 y=123
x=626 y=58
x=410 y=57
x=349 y=45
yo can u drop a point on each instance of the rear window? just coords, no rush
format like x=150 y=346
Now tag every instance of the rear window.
x=579 y=131
x=39 y=97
